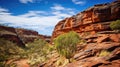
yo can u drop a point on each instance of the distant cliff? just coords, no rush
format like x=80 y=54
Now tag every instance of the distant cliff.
x=20 y=36
x=92 y=20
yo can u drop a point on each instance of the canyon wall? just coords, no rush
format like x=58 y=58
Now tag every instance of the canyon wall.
x=20 y=36
x=92 y=20
x=101 y=45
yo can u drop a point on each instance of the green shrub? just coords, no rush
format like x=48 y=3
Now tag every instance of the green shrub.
x=66 y=44
x=115 y=25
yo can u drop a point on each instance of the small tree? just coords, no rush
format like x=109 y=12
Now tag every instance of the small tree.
x=66 y=44
x=115 y=25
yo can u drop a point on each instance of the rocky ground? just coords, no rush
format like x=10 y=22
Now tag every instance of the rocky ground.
x=89 y=53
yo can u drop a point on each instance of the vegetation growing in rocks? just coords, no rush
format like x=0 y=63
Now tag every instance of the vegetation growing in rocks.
x=104 y=53
x=115 y=25
x=8 y=51
x=61 y=62
x=35 y=52
x=66 y=44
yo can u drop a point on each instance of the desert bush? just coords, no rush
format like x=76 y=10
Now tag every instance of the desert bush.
x=66 y=44
x=115 y=25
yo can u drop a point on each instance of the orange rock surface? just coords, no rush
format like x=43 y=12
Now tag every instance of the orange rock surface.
x=93 y=26
x=94 y=19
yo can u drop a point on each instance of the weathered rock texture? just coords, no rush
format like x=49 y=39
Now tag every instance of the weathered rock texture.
x=88 y=54
x=20 y=36
x=92 y=20
x=93 y=26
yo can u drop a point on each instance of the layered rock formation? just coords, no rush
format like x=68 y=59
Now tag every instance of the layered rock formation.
x=102 y=46
x=100 y=50
x=92 y=20
x=90 y=54
x=10 y=33
x=20 y=36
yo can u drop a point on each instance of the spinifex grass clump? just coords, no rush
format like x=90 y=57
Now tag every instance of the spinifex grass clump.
x=37 y=51
x=66 y=44
x=115 y=25
x=8 y=51
x=104 y=53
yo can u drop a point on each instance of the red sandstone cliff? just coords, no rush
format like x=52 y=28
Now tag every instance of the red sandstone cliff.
x=93 y=26
x=94 y=19
x=20 y=36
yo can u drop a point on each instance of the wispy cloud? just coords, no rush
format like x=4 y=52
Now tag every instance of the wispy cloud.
x=33 y=14
x=4 y=11
x=32 y=1
x=26 y=1
x=80 y=2
x=57 y=7
x=41 y=21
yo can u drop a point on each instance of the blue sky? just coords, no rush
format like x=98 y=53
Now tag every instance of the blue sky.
x=41 y=15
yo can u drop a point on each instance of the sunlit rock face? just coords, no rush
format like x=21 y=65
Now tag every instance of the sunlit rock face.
x=92 y=20
x=102 y=45
x=20 y=36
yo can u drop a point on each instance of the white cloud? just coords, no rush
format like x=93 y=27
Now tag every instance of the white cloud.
x=26 y=1
x=33 y=13
x=41 y=21
x=80 y=2
x=57 y=7
x=32 y=1
x=3 y=11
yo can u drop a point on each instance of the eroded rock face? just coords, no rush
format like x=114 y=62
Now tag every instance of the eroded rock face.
x=20 y=36
x=27 y=35
x=10 y=34
x=90 y=56
x=92 y=20
x=93 y=26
